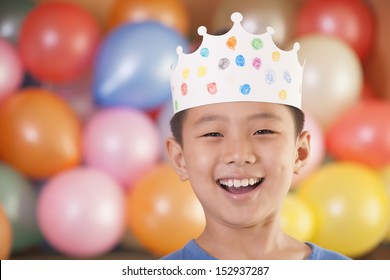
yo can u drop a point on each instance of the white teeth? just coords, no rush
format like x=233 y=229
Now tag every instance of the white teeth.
x=239 y=183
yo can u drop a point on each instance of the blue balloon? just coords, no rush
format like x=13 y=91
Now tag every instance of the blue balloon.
x=133 y=65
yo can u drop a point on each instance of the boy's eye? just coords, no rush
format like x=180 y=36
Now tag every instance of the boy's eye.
x=213 y=134
x=263 y=131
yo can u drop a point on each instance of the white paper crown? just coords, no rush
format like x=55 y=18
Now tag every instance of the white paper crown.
x=236 y=66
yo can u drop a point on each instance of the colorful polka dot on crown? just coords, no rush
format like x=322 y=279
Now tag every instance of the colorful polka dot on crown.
x=212 y=88
x=275 y=56
x=257 y=44
x=204 y=52
x=223 y=63
x=184 y=89
x=282 y=94
x=270 y=76
x=245 y=89
x=176 y=105
x=231 y=42
x=287 y=77
x=185 y=73
x=201 y=71
x=256 y=63
x=240 y=60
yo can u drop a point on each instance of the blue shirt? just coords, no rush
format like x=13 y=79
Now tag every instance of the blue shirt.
x=192 y=251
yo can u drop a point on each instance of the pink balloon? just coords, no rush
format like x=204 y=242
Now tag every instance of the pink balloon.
x=317 y=149
x=81 y=212
x=11 y=69
x=123 y=142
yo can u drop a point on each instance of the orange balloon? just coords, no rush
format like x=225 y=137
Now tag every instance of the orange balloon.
x=171 y=13
x=163 y=213
x=5 y=236
x=39 y=133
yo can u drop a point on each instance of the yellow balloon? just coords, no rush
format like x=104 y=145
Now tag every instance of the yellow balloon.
x=350 y=205
x=385 y=172
x=297 y=219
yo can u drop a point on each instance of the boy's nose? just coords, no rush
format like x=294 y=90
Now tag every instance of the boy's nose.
x=239 y=152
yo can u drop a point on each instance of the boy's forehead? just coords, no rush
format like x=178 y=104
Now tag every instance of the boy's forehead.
x=237 y=110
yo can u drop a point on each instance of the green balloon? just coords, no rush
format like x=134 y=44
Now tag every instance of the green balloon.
x=18 y=198
x=12 y=14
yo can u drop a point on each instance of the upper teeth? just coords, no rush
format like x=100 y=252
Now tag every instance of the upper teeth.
x=237 y=183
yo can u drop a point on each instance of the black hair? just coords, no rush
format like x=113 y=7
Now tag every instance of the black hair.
x=178 y=120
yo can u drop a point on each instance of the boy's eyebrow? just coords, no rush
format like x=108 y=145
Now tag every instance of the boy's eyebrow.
x=210 y=118
x=217 y=117
x=264 y=115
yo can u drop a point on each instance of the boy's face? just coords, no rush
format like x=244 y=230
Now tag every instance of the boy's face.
x=240 y=158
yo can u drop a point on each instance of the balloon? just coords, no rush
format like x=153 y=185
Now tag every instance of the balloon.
x=12 y=14
x=39 y=134
x=171 y=13
x=18 y=198
x=133 y=66
x=123 y=142
x=163 y=123
x=11 y=69
x=99 y=9
x=296 y=218
x=350 y=20
x=163 y=213
x=78 y=95
x=258 y=15
x=81 y=212
x=58 y=42
x=5 y=236
x=317 y=149
x=362 y=134
x=332 y=77
x=350 y=206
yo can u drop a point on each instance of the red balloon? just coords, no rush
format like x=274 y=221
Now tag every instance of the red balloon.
x=349 y=20
x=58 y=42
x=362 y=134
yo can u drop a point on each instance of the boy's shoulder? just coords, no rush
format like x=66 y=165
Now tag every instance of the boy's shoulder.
x=319 y=253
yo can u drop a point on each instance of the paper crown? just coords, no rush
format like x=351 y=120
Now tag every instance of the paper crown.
x=236 y=66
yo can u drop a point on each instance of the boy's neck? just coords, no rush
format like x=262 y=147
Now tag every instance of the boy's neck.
x=266 y=241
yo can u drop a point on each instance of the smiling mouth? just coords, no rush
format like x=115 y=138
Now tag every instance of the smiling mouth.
x=240 y=186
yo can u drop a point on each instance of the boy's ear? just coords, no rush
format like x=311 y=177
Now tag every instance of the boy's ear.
x=302 y=151
x=176 y=157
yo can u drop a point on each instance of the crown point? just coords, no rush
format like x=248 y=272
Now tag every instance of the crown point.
x=236 y=17
x=202 y=30
x=297 y=46
x=270 y=30
x=179 y=50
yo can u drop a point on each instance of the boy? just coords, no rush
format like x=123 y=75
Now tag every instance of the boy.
x=238 y=138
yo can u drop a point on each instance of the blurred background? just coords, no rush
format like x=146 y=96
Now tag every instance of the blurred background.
x=85 y=106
